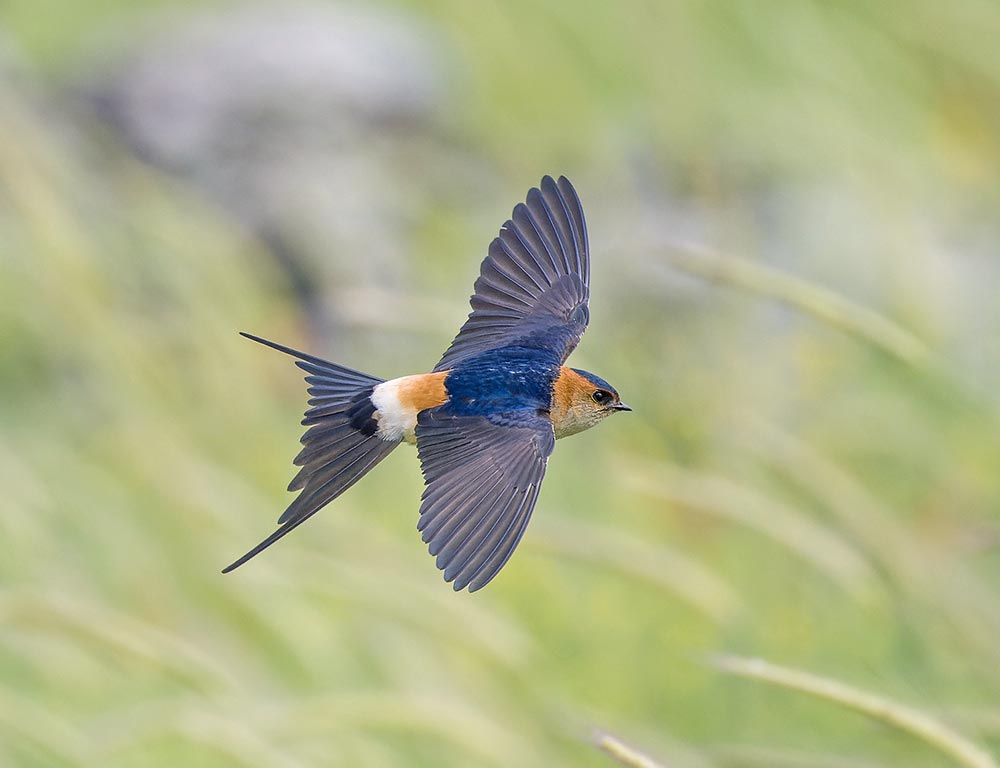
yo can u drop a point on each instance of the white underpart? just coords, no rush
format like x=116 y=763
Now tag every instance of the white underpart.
x=395 y=421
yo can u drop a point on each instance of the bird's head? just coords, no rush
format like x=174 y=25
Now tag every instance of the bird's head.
x=581 y=400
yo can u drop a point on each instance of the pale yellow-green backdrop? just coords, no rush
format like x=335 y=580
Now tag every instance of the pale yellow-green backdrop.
x=796 y=249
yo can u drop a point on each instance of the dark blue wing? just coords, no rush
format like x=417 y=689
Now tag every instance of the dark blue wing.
x=482 y=474
x=534 y=285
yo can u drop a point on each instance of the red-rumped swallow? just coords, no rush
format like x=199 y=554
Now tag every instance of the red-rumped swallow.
x=486 y=419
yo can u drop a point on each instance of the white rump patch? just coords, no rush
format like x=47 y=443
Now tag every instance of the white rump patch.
x=395 y=422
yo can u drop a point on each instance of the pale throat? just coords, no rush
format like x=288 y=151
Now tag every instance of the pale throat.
x=575 y=420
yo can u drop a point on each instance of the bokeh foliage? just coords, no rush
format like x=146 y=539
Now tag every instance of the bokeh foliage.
x=792 y=211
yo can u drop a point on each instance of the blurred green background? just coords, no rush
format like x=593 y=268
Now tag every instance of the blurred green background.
x=792 y=211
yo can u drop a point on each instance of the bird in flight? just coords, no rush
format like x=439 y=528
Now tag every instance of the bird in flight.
x=486 y=419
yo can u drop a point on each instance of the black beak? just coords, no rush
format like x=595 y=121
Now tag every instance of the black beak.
x=621 y=407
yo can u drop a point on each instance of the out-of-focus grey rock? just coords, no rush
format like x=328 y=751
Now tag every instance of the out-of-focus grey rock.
x=309 y=123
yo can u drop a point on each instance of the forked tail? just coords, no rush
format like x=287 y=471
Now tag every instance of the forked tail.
x=340 y=446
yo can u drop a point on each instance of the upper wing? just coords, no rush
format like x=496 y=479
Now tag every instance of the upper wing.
x=482 y=475
x=534 y=284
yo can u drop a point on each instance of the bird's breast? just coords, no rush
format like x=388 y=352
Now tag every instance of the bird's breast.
x=398 y=401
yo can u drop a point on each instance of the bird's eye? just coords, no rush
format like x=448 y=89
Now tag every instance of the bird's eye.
x=600 y=397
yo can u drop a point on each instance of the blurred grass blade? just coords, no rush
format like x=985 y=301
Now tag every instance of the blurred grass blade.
x=819 y=546
x=467 y=623
x=866 y=518
x=472 y=731
x=754 y=756
x=916 y=723
x=42 y=732
x=656 y=564
x=803 y=295
x=99 y=627
x=623 y=753
x=955 y=590
x=986 y=722
x=240 y=739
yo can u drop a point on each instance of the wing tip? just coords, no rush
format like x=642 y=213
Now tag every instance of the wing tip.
x=565 y=185
x=560 y=184
x=469 y=584
x=548 y=184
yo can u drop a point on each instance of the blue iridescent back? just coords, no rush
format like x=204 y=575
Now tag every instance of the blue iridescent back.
x=502 y=380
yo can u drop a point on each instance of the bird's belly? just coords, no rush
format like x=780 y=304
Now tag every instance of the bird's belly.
x=398 y=401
